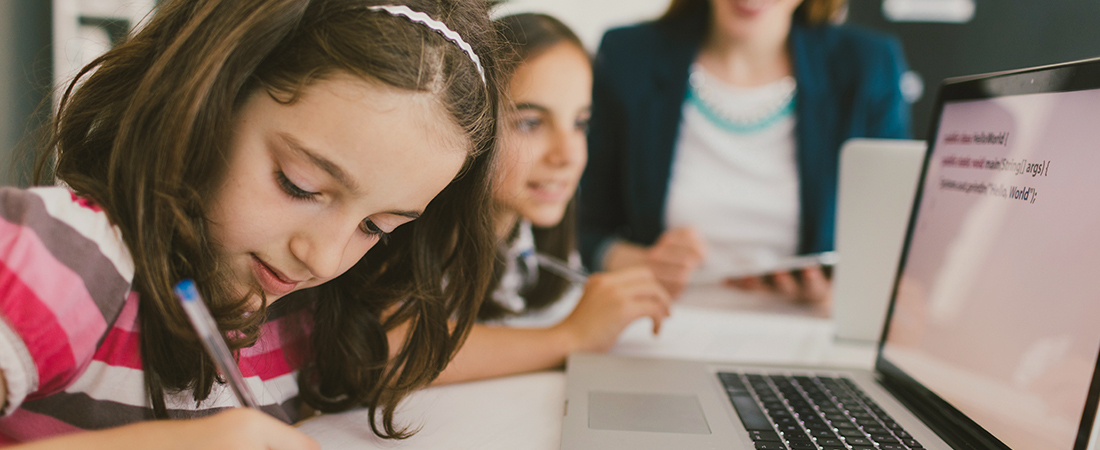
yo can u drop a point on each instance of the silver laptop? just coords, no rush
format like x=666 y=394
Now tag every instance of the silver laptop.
x=877 y=181
x=993 y=332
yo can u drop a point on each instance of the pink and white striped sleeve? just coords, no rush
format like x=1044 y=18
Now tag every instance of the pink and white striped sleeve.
x=64 y=277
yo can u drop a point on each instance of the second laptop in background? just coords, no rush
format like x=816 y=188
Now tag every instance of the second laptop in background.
x=878 y=178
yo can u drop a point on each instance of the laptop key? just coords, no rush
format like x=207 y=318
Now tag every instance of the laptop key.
x=760 y=435
x=805 y=411
x=768 y=445
x=783 y=421
x=867 y=422
x=843 y=425
x=911 y=443
x=731 y=381
x=791 y=430
x=817 y=426
x=797 y=438
x=750 y=414
x=884 y=439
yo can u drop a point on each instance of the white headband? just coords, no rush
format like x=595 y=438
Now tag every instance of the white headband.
x=416 y=16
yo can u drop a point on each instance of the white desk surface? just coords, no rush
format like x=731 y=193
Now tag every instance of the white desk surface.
x=525 y=411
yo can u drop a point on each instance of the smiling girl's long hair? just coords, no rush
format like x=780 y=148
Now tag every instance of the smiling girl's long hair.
x=146 y=133
x=526 y=36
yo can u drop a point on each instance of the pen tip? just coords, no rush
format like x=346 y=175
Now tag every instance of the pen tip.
x=186 y=290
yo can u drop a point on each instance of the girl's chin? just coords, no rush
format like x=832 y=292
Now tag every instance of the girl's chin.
x=546 y=220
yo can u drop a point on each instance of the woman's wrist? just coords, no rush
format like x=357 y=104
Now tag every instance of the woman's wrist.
x=622 y=254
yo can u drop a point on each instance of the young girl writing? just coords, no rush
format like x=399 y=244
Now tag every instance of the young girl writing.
x=544 y=153
x=259 y=147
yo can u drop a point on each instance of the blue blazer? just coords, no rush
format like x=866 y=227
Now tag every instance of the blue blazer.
x=848 y=86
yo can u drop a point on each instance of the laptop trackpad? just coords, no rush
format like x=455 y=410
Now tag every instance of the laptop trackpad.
x=662 y=413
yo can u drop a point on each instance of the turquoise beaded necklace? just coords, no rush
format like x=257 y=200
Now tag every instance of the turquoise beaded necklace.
x=755 y=125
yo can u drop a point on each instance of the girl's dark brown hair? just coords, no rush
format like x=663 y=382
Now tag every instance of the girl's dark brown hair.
x=525 y=36
x=147 y=134
x=810 y=12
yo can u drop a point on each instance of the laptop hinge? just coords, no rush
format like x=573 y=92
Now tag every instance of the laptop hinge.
x=950 y=425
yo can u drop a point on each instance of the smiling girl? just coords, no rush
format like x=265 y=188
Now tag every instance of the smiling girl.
x=534 y=316
x=261 y=148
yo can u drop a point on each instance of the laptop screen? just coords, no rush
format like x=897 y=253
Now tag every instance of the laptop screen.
x=997 y=308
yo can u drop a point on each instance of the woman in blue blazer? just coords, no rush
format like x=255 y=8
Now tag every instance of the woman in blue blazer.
x=847 y=85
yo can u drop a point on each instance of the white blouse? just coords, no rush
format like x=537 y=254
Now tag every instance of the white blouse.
x=735 y=175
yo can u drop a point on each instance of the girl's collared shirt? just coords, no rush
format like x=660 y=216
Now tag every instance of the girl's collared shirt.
x=520 y=271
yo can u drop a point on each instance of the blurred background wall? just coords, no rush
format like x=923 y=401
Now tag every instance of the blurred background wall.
x=25 y=77
x=589 y=18
x=999 y=35
x=43 y=42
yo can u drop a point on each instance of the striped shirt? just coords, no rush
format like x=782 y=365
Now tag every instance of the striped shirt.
x=69 y=339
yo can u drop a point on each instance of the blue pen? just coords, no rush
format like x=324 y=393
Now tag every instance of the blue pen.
x=212 y=340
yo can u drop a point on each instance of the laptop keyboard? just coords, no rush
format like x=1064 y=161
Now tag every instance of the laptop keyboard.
x=812 y=412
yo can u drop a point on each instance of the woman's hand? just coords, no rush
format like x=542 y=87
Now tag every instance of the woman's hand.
x=810 y=285
x=673 y=258
x=240 y=428
x=611 y=301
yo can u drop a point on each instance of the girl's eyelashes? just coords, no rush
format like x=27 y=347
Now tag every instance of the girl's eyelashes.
x=369 y=228
x=292 y=189
x=582 y=124
x=532 y=124
x=528 y=124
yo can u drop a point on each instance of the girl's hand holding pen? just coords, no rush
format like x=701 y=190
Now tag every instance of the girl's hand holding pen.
x=611 y=301
x=247 y=428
